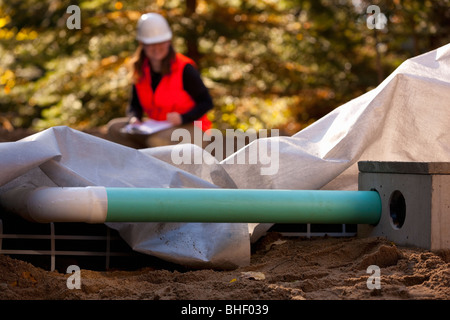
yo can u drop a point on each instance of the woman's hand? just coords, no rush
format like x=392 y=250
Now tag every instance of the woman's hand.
x=174 y=118
x=134 y=120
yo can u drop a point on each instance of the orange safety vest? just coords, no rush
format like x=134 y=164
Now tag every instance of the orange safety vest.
x=169 y=95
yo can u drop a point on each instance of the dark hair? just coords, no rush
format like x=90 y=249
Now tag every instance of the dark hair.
x=138 y=58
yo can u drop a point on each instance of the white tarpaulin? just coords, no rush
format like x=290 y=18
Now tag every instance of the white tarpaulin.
x=406 y=118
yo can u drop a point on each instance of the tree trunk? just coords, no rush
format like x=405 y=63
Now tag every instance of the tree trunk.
x=192 y=36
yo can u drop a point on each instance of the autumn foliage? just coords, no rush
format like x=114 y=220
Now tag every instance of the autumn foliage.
x=268 y=64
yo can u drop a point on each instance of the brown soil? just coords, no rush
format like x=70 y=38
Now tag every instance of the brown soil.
x=282 y=268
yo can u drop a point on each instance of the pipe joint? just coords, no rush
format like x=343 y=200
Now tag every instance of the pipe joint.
x=88 y=205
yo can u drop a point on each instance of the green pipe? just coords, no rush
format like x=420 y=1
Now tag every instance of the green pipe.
x=242 y=205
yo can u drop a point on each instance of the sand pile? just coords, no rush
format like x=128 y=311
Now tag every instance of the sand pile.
x=281 y=269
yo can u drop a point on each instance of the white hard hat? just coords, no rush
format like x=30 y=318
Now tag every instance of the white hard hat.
x=153 y=28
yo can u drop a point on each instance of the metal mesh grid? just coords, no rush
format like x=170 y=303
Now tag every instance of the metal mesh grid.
x=54 y=246
x=315 y=230
x=57 y=245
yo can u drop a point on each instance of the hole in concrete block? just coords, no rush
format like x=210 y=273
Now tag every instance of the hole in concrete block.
x=397 y=209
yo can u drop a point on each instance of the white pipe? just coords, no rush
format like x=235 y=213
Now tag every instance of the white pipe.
x=87 y=204
x=100 y=204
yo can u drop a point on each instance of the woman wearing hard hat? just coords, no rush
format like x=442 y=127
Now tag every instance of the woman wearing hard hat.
x=166 y=87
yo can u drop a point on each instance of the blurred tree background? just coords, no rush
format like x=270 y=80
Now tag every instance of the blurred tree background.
x=268 y=64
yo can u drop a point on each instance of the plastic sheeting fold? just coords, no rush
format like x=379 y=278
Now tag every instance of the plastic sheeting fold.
x=406 y=118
